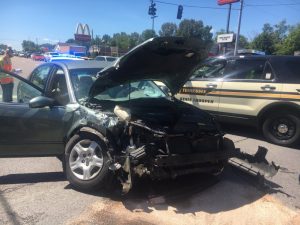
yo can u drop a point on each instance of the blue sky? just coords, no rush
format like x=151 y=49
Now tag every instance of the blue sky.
x=56 y=20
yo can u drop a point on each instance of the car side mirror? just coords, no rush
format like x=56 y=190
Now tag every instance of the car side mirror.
x=41 y=102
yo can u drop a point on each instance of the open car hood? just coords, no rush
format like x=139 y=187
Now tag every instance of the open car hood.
x=170 y=60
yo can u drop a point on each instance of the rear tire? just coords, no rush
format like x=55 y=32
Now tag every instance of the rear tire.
x=282 y=129
x=85 y=162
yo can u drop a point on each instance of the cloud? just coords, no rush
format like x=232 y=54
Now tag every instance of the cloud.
x=50 y=40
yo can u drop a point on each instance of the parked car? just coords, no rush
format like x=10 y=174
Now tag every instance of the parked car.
x=21 y=54
x=49 y=55
x=117 y=123
x=106 y=58
x=27 y=54
x=37 y=57
x=261 y=91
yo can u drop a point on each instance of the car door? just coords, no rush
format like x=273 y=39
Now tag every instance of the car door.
x=26 y=131
x=288 y=70
x=200 y=89
x=249 y=85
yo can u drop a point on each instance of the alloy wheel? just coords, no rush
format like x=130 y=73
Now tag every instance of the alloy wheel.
x=86 y=159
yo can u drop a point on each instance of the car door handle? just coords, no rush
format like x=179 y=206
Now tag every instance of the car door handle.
x=298 y=91
x=268 y=88
x=211 y=86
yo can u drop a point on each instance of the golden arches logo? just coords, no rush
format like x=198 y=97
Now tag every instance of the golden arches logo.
x=83 y=29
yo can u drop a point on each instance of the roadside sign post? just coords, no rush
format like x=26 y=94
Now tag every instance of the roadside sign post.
x=227 y=27
x=239 y=27
x=225 y=2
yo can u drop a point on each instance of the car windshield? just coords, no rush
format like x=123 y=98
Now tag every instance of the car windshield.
x=82 y=80
x=134 y=90
x=100 y=58
x=111 y=59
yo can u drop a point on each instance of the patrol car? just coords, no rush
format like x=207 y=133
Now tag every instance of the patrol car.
x=256 y=90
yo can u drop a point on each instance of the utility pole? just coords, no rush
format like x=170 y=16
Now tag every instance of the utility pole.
x=228 y=18
x=239 y=28
x=227 y=27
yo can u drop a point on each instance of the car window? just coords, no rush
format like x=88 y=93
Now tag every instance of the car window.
x=14 y=90
x=211 y=69
x=58 y=87
x=100 y=58
x=246 y=69
x=134 y=90
x=82 y=80
x=40 y=75
x=110 y=59
x=288 y=69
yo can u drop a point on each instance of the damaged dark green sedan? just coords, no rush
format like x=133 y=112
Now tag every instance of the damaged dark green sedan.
x=117 y=123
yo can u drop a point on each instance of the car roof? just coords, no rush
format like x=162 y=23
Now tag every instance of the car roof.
x=77 y=64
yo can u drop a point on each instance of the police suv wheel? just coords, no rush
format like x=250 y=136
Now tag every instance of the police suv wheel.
x=85 y=162
x=282 y=129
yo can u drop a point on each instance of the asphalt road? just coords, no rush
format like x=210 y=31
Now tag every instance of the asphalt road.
x=34 y=191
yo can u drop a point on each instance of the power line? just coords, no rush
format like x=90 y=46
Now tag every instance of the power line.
x=220 y=8
x=194 y=6
x=278 y=4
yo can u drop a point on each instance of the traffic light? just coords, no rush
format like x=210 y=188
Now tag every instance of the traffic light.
x=179 y=12
x=152 y=9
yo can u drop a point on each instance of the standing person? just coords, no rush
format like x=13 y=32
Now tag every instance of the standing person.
x=6 y=81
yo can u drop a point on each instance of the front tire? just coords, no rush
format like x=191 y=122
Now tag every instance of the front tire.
x=85 y=162
x=282 y=129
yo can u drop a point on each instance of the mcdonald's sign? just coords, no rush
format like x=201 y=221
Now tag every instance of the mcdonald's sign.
x=82 y=33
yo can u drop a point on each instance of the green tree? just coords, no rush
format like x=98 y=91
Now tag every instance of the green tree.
x=168 y=29
x=3 y=46
x=29 y=46
x=243 y=42
x=265 y=41
x=271 y=38
x=196 y=29
x=291 y=43
x=281 y=30
x=148 y=33
x=134 y=39
x=106 y=39
x=121 y=40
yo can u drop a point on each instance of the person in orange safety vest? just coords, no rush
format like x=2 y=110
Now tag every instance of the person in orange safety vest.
x=6 y=81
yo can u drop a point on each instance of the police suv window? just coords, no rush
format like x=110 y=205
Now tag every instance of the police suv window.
x=40 y=75
x=248 y=69
x=210 y=70
x=287 y=69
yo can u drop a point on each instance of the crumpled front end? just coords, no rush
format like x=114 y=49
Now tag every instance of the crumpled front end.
x=158 y=151
x=166 y=144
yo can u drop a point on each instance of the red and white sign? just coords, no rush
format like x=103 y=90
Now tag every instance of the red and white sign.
x=224 y=2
